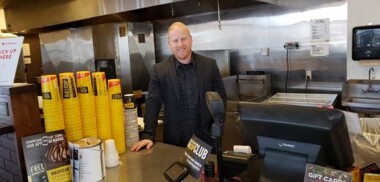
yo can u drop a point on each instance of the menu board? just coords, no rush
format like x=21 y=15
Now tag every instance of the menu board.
x=46 y=157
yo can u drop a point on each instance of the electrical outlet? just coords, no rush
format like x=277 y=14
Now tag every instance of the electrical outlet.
x=308 y=75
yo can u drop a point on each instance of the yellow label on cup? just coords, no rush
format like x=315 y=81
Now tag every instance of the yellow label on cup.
x=67 y=84
x=114 y=86
x=84 y=85
x=49 y=88
x=99 y=83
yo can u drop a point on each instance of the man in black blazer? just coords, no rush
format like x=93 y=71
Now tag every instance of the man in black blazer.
x=180 y=85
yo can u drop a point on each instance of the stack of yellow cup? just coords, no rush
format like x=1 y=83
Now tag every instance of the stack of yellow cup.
x=102 y=105
x=71 y=110
x=87 y=104
x=51 y=103
x=117 y=114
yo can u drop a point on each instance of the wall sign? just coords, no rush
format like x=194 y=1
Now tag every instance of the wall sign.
x=9 y=54
x=320 y=37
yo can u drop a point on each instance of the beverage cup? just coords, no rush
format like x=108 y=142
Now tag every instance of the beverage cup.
x=111 y=154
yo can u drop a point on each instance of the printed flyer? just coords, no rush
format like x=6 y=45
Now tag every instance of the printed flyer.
x=195 y=155
x=47 y=157
x=315 y=173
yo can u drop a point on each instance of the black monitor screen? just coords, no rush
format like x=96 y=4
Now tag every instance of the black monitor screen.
x=366 y=42
x=287 y=137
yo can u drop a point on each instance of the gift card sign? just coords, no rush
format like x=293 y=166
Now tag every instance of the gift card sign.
x=9 y=54
x=315 y=173
x=195 y=155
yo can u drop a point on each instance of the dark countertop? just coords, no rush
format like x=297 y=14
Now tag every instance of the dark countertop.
x=147 y=165
x=6 y=128
x=17 y=88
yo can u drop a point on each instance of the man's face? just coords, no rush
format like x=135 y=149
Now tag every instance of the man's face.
x=180 y=42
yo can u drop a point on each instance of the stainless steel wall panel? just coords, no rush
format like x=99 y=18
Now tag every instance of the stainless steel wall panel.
x=67 y=50
x=56 y=52
x=108 y=44
x=295 y=26
x=84 y=50
x=104 y=38
x=134 y=59
x=122 y=52
x=222 y=58
x=141 y=51
x=74 y=50
x=238 y=32
x=245 y=31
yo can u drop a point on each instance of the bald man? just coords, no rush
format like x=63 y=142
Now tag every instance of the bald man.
x=180 y=84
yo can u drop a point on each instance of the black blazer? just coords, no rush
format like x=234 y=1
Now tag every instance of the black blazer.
x=164 y=88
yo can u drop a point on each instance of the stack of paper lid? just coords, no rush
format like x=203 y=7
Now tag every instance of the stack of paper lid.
x=51 y=103
x=117 y=116
x=87 y=104
x=71 y=110
x=102 y=107
x=130 y=122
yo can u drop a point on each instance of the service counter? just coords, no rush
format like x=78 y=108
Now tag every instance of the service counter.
x=147 y=165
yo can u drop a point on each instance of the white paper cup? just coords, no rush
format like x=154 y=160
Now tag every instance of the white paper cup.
x=111 y=154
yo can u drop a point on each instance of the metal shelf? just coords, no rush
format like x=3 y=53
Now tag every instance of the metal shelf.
x=312 y=100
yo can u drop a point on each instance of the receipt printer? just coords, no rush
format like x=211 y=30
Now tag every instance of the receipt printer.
x=235 y=163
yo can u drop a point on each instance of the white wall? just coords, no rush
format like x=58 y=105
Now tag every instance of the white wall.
x=361 y=12
x=3 y=25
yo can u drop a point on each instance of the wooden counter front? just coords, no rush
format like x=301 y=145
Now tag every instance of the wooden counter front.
x=19 y=117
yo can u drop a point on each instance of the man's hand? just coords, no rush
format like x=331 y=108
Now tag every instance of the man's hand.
x=141 y=144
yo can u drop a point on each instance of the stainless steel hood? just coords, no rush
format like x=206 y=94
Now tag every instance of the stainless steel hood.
x=47 y=15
